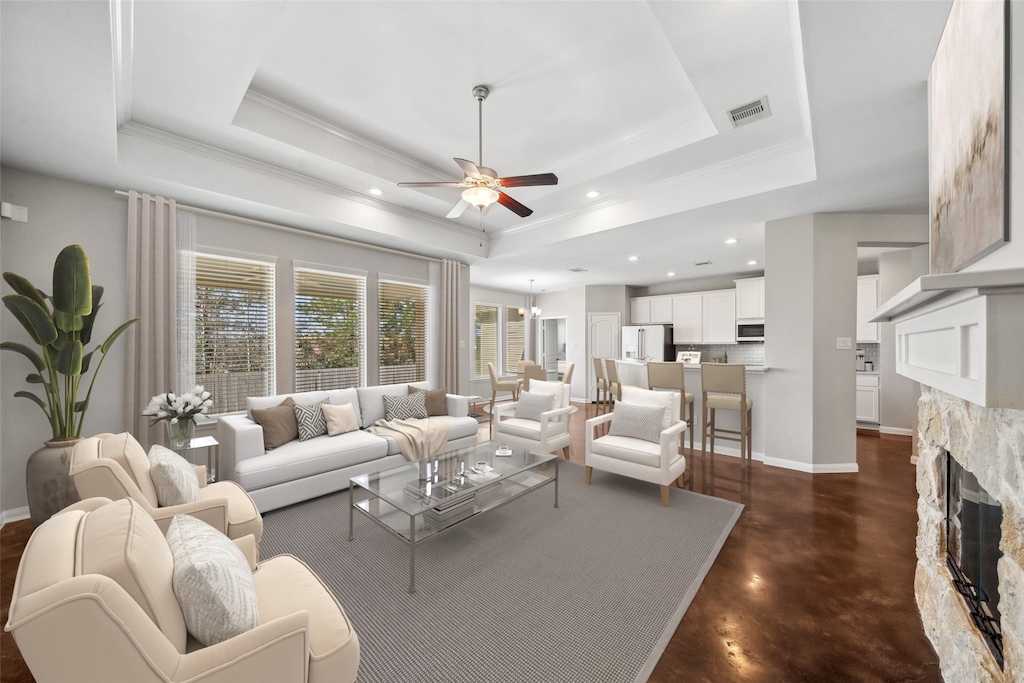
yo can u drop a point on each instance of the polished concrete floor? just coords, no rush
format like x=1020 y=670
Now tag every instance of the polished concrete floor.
x=815 y=583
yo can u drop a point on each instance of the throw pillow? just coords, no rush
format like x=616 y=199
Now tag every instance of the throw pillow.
x=173 y=477
x=311 y=420
x=212 y=581
x=531 y=404
x=340 y=419
x=637 y=421
x=556 y=389
x=279 y=424
x=408 y=407
x=649 y=397
x=437 y=400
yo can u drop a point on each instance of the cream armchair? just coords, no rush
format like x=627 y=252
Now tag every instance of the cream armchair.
x=640 y=458
x=548 y=433
x=93 y=602
x=115 y=466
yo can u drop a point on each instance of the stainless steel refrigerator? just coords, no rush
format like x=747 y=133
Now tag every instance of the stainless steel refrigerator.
x=647 y=342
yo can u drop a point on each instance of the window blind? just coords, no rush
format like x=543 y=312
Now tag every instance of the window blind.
x=234 y=329
x=402 y=309
x=485 y=339
x=515 y=338
x=330 y=330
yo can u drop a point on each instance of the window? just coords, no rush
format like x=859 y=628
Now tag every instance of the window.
x=234 y=342
x=485 y=339
x=515 y=338
x=403 y=332
x=330 y=330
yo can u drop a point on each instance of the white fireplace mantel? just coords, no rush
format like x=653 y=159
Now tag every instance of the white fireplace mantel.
x=963 y=333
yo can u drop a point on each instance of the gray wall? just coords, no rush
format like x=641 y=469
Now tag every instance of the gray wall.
x=60 y=213
x=572 y=304
x=897 y=396
x=810 y=299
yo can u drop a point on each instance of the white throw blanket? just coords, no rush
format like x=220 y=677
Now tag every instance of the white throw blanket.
x=412 y=434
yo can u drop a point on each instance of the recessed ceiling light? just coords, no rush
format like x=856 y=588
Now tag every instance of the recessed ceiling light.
x=634 y=258
x=376 y=191
x=731 y=240
x=593 y=193
x=671 y=274
x=751 y=263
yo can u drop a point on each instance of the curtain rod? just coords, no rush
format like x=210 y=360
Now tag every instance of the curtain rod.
x=277 y=226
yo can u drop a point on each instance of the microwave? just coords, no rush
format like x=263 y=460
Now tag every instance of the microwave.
x=750 y=331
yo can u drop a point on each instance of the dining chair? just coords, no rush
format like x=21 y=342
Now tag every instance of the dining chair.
x=567 y=375
x=499 y=385
x=533 y=372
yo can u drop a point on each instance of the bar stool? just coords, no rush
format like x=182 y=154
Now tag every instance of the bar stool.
x=724 y=387
x=600 y=382
x=613 y=391
x=661 y=375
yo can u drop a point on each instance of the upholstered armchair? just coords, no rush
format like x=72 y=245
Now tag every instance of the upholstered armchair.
x=643 y=441
x=95 y=600
x=538 y=420
x=115 y=466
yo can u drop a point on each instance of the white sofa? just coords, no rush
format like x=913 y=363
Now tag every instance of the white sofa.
x=300 y=470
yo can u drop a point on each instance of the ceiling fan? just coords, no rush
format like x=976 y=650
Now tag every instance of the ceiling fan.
x=482 y=185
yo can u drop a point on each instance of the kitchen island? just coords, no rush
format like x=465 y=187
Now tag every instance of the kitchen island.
x=634 y=373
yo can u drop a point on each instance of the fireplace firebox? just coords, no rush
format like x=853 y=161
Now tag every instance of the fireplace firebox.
x=973 y=528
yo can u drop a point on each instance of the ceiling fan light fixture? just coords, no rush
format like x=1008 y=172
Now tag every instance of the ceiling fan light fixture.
x=480 y=197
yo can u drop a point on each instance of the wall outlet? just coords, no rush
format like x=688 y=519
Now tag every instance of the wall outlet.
x=844 y=343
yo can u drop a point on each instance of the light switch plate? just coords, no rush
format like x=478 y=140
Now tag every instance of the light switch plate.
x=844 y=343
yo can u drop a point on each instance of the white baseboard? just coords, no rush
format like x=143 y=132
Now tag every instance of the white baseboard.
x=721 y=450
x=811 y=468
x=896 y=430
x=14 y=515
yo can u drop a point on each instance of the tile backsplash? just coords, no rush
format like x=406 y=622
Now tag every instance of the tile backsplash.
x=748 y=353
x=871 y=354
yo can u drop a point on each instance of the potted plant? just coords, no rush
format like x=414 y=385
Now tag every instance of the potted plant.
x=61 y=326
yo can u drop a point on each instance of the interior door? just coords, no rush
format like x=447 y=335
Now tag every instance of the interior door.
x=604 y=332
x=549 y=354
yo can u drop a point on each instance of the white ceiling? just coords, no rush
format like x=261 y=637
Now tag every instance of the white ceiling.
x=291 y=111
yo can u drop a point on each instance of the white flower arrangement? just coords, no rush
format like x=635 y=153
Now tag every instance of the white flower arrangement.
x=174 y=407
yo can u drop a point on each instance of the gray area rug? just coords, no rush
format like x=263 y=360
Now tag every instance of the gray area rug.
x=589 y=592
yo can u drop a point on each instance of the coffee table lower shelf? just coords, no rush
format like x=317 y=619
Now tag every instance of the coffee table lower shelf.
x=414 y=528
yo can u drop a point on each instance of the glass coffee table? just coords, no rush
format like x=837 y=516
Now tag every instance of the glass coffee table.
x=416 y=503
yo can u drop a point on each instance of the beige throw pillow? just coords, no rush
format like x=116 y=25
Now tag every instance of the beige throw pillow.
x=340 y=419
x=279 y=424
x=437 y=400
x=212 y=581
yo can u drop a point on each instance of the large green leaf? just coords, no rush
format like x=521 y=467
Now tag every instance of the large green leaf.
x=32 y=397
x=81 y=406
x=29 y=353
x=25 y=288
x=35 y=378
x=67 y=322
x=72 y=284
x=69 y=360
x=89 y=320
x=32 y=317
x=86 y=359
x=105 y=346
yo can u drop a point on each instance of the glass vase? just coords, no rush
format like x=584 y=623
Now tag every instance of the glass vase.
x=180 y=434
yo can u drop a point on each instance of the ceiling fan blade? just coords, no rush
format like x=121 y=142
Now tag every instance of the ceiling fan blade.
x=468 y=167
x=524 y=180
x=457 y=210
x=513 y=205
x=450 y=183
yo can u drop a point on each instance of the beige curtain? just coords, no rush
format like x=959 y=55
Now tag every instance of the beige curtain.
x=152 y=353
x=451 y=311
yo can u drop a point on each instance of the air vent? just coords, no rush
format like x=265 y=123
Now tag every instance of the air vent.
x=577 y=269
x=748 y=113
x=703 y=263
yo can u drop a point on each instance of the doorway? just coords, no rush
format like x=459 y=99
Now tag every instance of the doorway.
x=552 y=343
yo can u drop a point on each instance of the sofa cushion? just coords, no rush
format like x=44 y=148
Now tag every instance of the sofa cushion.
x=340 y=419
x=411 y=407
x=637 y=421
x=299 y=459
x=459 y=428
x=371 y=400
x=436 y=399
x=212 y=581
x=630 y=450
x=311 y=420
x=279 y=423
x=173 y=477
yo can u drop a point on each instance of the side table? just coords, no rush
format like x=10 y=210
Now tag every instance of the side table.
x=212 y=447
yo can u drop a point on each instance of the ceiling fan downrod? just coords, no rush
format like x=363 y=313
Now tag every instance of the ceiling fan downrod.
x=480 y=92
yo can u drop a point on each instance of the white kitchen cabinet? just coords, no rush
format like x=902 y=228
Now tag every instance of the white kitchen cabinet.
x=704 y=317
x=750 y=299
x=867 y=398
x=867 y=302
x=650 y=310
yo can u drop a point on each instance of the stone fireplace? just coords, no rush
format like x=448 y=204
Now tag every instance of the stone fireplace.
x=962 y=336
x=990 y=444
